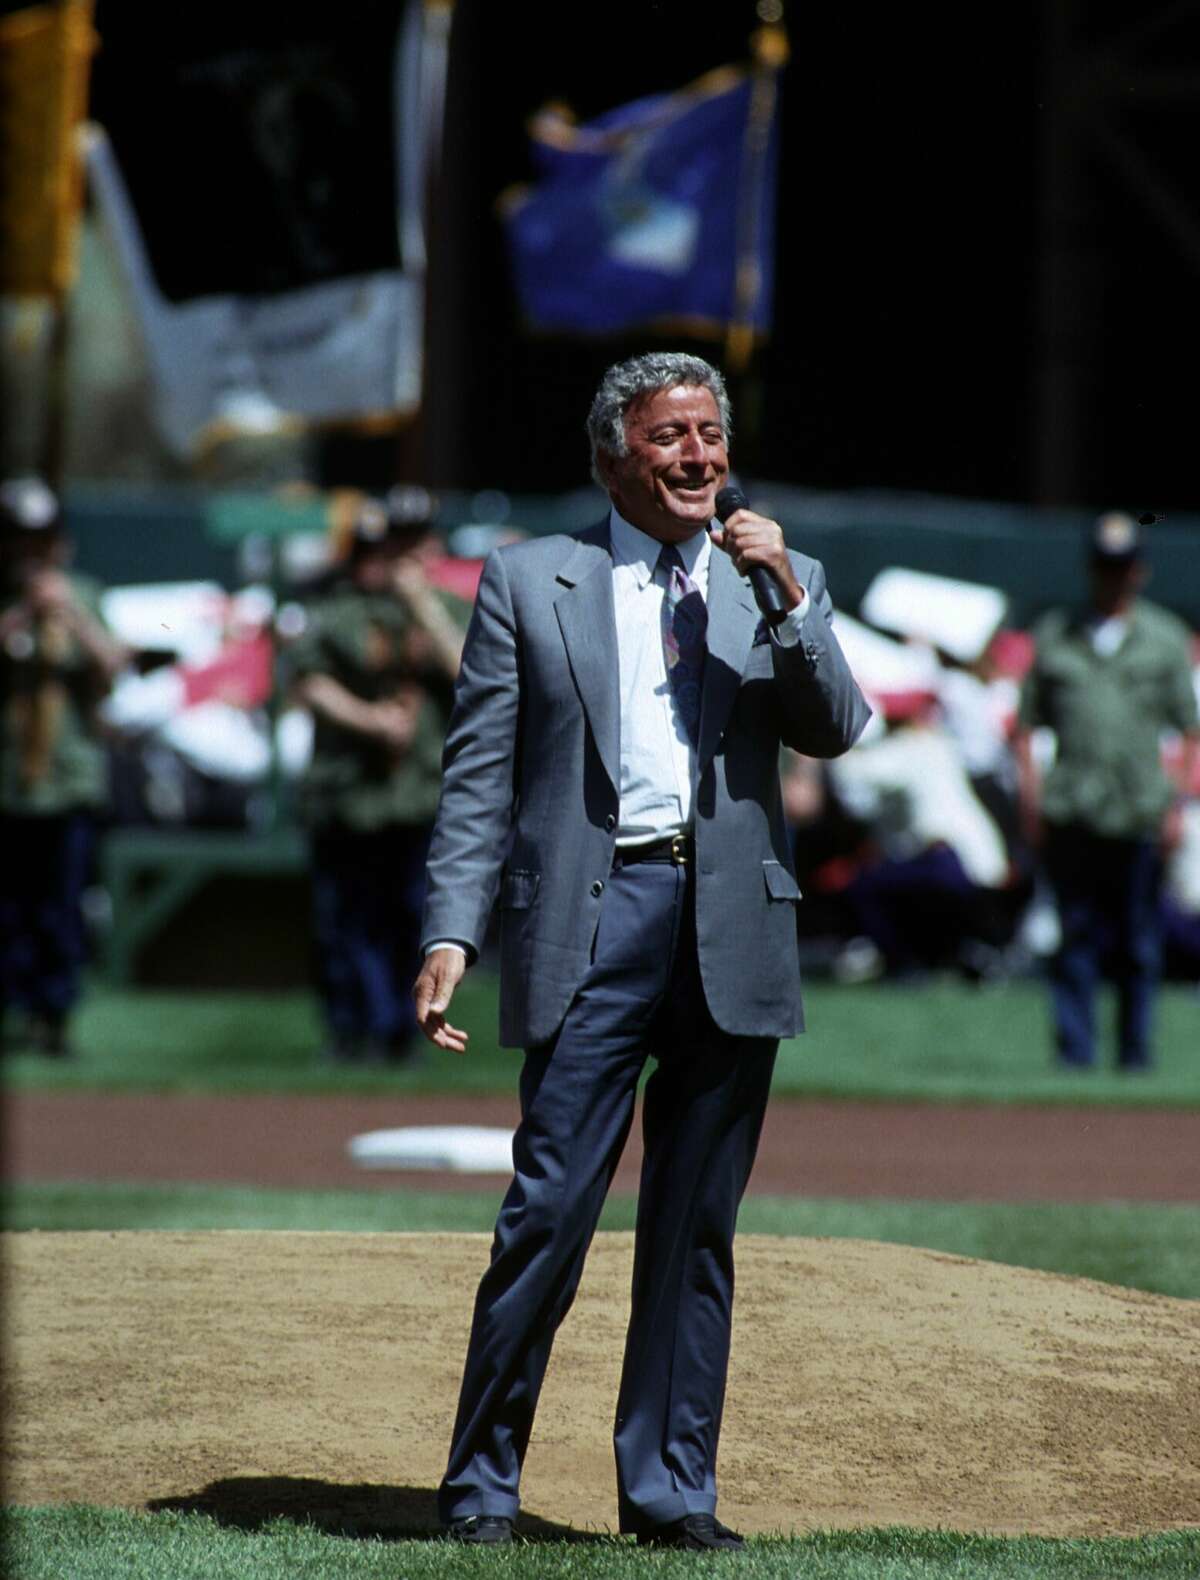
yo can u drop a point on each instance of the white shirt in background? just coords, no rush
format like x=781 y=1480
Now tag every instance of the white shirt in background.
x=912 y=787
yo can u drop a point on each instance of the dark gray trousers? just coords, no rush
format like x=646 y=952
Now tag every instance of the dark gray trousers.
x=702 y=1114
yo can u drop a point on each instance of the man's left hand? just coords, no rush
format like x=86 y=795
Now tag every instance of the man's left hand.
x=750 y=540
x=432 y=991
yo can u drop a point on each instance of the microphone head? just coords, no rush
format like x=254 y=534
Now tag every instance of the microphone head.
x=727 y=501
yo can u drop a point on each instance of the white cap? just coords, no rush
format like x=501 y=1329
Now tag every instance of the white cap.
x=28 y=504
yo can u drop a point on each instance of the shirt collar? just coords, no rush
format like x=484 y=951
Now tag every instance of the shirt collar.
x=637 y=549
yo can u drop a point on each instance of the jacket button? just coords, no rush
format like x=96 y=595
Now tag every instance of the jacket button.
x=610 y=823
x=597 y=888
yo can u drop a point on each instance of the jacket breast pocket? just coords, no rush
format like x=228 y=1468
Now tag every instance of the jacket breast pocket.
x=780 y=883
x=518 y=889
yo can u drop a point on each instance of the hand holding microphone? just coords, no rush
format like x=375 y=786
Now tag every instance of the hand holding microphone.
x=757 y=549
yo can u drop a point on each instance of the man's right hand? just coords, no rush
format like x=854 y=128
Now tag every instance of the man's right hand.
x=434 y=988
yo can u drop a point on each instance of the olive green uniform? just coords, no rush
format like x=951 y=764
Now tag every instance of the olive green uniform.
x=1103 y=804
x=48 y=673
x=53 y=779
x=1109 y=714
x=370 y=811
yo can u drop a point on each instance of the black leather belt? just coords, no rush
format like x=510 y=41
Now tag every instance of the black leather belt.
x=678 y=851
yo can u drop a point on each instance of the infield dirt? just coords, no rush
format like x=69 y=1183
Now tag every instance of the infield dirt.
x=315 y=1375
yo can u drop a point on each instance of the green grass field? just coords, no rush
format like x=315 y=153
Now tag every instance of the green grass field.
x=93 y=1544
x=1139 y=1245
x=944 y=1042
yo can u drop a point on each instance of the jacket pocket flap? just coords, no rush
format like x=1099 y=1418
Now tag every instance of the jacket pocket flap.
x=518 y=890
x=780 y=883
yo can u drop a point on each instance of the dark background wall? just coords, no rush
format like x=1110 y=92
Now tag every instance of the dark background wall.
x=973 y=293
x=989 y=241
x=906 y=187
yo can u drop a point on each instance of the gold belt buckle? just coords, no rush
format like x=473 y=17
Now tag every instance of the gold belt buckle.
x=679 y=850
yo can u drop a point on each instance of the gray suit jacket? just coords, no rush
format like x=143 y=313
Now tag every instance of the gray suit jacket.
x=532 y=769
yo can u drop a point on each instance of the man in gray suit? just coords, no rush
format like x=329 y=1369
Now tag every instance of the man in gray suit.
x=611 y=769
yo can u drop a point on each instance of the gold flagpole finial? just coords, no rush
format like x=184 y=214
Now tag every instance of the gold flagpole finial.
x=769 y=43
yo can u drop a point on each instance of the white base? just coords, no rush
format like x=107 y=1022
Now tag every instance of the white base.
x=463 y=1149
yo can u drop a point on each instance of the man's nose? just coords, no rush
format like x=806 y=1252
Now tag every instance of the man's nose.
x=692 y=448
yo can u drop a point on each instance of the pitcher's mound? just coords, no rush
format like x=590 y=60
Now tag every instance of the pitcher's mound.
x=316 y=1375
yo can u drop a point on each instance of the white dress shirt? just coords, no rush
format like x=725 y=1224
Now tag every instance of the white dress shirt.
x=658 y=759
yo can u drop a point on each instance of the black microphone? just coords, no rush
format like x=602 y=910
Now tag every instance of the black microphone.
x=767 y=592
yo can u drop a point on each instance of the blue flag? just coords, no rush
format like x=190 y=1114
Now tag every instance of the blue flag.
x=660 y=212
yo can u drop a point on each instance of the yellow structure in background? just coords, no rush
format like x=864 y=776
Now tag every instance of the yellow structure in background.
x=45 y=56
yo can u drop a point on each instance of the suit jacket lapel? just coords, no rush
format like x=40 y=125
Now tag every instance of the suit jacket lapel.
x=588 y=624
x=732 y=620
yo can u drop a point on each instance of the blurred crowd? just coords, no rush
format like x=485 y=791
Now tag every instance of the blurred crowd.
x=915 y=852
x=1020 y=799
x=318 y=699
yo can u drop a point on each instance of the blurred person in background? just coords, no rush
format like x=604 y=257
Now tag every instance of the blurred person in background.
x=827 y=845
x=375 y=664
x=1110 y=679
x=933 y=885
x=1181 y=900
x=977 y=703
x=57 y=663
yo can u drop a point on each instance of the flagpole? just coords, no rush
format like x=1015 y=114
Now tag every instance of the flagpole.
x=45 y=56
x=769 y=54
x=76 y=42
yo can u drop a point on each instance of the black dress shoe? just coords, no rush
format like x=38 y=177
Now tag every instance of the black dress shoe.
x=490 y=1530
x=696 y=1532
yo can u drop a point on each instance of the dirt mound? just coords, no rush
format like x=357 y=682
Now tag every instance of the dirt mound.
x=316 y=1375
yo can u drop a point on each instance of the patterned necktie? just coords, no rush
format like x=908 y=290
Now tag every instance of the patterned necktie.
x=684 y=627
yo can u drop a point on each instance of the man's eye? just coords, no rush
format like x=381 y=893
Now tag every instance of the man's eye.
x=665 y=435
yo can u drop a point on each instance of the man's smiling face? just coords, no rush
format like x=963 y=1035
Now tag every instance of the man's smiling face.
x=676 y=463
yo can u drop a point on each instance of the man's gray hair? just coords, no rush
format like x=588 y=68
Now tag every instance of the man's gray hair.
x=626 y=381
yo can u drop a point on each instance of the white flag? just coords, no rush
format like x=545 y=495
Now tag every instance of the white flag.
x=343 y=348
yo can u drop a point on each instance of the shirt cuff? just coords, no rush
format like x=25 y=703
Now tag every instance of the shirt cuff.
x=787 y=633
x=447 y=943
